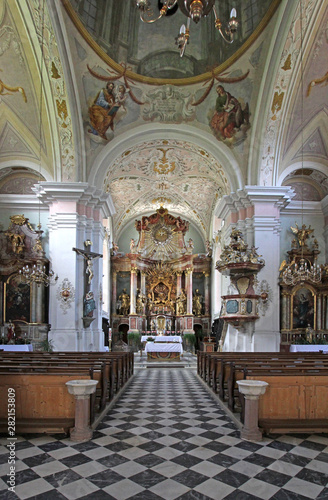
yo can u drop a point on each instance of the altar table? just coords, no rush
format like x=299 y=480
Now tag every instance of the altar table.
x=163 y=338
x=308 y=348
x=163 y=351
x=17 y=347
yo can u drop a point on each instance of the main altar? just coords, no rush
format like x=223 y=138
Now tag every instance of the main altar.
x=160 y=287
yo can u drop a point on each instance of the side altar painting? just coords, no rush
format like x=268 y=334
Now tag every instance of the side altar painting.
x=168 y=285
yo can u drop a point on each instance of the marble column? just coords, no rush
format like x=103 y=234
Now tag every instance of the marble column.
x=283 y=312
x=143 y=283
x=179 y=277
x=188 y=273
x=133 y=289
x=207 y=293
x=319 y=309
x=114 y=292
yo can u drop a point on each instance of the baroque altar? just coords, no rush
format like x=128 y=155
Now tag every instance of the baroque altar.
x=160 y=286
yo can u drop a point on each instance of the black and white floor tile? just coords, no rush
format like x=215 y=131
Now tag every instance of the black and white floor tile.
x=168 y=438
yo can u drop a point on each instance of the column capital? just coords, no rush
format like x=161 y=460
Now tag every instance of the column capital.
x=134 y=269
x=189 y=270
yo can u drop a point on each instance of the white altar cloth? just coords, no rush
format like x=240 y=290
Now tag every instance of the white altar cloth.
x=152 y=347
x=163 y=338
x=17 y=347
x=308 y=348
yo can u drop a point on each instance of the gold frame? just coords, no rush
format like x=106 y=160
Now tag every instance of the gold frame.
x=6 y=284
x=292 y=296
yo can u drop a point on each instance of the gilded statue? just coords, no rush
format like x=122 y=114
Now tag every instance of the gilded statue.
x=181 y=303
x=140 y=302
x=302 y=234
x=17 y=241
x=197 y=303
x=124 y=299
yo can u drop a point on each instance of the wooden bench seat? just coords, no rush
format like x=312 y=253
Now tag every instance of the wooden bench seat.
x=47 y=373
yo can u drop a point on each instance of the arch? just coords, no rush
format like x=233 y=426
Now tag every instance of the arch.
x=221 y=152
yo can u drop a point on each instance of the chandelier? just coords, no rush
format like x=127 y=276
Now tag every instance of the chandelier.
x=193 y=9
x=296 y=273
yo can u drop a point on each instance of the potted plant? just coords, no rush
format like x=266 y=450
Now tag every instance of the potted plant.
x=47 y=345
x=189 y=340
x=134 y=340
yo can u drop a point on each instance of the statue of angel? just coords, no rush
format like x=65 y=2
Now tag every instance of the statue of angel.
x=302 y=234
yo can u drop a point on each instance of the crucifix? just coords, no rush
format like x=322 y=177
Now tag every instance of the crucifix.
x=88 y=297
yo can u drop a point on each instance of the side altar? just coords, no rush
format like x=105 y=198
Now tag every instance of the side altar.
x=161 y=287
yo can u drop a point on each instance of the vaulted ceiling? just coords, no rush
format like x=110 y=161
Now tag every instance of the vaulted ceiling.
x=186 y=165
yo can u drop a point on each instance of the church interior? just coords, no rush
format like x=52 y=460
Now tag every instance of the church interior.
x=164 y=205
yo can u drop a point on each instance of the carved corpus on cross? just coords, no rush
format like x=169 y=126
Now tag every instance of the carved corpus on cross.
x=88 y=298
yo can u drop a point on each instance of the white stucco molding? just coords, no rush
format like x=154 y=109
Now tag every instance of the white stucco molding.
x=78 y=192
x=280 y=197
x=128 y=140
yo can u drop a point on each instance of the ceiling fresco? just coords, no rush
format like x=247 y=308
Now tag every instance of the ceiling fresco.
x=148 y=51
x=176 y=174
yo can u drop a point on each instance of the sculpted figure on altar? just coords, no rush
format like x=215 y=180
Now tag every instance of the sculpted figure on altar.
x=125 y=303
x=140 y=302
x=197 y=303
x=181 y=303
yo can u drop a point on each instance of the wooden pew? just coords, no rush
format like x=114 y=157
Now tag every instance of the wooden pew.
x=294 y=401
x=112 y=370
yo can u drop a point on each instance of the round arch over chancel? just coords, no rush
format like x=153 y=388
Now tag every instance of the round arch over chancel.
x=156 y=166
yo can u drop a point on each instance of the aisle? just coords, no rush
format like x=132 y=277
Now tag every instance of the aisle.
x=166 y=438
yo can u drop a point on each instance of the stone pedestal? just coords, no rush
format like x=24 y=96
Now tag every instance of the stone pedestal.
x=252 y=390
x=81 y=389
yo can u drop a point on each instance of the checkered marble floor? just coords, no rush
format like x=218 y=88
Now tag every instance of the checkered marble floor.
x=168 y=438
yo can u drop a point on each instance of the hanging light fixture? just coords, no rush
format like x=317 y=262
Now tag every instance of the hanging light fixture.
x=301 y=268
x=38 y=272
x=193 y=9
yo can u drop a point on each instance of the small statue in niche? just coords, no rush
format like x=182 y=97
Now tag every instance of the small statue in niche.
x=140 y=302
x=89 y=304
x=197 y=303
x=181 y=303
x=125 y=303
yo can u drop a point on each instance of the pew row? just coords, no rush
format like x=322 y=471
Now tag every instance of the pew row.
x=296 y=398
x=42 y=401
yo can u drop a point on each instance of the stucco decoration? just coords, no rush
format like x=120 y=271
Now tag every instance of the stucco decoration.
x=176 y=174
x=169 y=104
x=314 y=98
x=65 y=295
x=287 y=65
x=56 y=76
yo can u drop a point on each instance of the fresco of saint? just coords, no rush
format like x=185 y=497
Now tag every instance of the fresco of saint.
x=228 y=116
x=103 y=111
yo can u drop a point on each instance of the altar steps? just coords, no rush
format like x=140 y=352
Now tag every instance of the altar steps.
x=187 y=361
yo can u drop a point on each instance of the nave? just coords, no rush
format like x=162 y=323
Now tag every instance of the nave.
x=168 y=438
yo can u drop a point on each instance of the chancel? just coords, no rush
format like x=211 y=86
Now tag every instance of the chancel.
x=165 y=334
